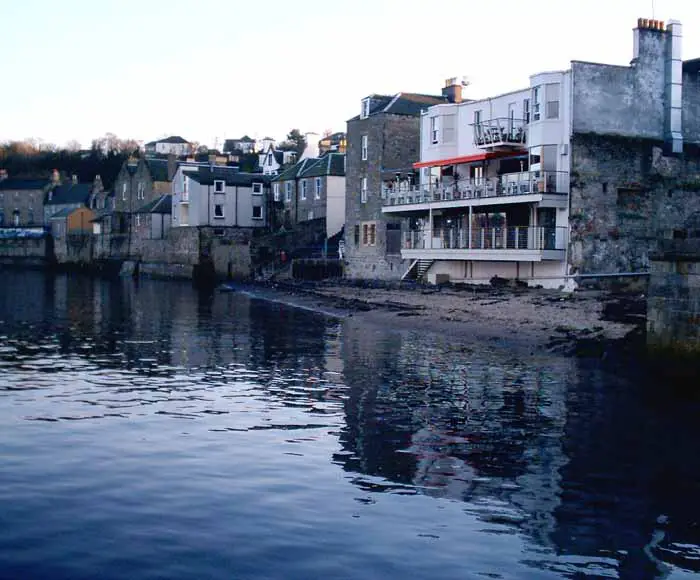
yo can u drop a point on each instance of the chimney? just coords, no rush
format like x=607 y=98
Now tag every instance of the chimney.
x=673 y=113
x=74 y=179
x=311 y=149
x=55 y=177
x=647 y=32
x=97 y=186
x=453 y=90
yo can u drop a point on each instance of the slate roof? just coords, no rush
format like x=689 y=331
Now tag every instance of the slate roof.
x=24 y=183
x=231 y=175
x=294 y=171
x=691 y=66
x=162 y=205
x=64 y=213
x=70 y=193
x=158 y=169
x=172 y=139
x=330 y=164
x=410 y=104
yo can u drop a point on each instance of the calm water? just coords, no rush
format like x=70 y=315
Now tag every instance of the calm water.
x=150 y=431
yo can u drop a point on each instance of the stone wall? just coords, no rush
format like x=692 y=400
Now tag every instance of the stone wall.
x=34 y=250
x=393 y=145
x=673 y=300
x=624 y=194
x=74 y=249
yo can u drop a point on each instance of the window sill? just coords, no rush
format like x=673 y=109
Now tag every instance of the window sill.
x=219 y=217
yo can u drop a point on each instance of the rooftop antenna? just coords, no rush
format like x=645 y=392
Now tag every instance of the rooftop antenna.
x=652 y=9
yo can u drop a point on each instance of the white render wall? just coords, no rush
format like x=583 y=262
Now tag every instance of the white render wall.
x=178 y=149
x=335 y=204
x=548 y=274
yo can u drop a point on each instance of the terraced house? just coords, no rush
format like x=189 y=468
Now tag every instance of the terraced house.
x=313 y=189
x=383 y=141
x=22 y=201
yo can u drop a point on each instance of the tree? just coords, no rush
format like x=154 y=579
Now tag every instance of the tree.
x=295 y=142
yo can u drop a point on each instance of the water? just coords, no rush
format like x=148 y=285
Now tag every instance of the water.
x=150 y=431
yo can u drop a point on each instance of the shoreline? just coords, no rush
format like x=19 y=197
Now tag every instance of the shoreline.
x=587 y=323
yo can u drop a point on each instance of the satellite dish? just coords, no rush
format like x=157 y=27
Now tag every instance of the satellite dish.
x=465 y=81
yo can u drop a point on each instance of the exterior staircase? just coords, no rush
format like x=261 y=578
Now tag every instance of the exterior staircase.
x=417 y=269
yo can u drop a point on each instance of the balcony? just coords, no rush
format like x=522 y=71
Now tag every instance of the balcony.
x=509 y=186
x=500 y=133
x=514 y=243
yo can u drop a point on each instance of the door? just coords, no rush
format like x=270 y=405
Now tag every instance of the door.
x=547 y=220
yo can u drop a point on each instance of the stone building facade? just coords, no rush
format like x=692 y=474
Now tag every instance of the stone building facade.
x=635 y=168
x=22 y=201
x=383 y=141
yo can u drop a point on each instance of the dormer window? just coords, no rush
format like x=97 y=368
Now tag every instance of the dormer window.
x=219 y=186
x=364 y=113
x=257 y=188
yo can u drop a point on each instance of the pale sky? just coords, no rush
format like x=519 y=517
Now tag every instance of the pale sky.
x=215 y=69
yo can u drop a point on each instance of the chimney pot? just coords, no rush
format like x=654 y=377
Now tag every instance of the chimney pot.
x=74 y=179
x=661 y=25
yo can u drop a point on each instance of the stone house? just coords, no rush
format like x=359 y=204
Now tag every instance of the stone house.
x=382 y=140
x=271 y=161
x=335 y=143
x=219 y=197
x=67 y=196
x=22 y=201
x=312 y=189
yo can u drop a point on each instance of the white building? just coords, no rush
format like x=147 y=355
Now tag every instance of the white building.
x=219 y=196
x=174 y=145
x=493 y=185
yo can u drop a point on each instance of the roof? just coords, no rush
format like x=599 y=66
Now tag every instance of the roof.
x=409 y=104
x=172 y=139
x=161 y=205
x=246 y=139
x=64 y=213
x=158 y=169
x=294 y=171
x=691 y=66
x=70 y=193
x=330 y=164
x=24 y=183
x=231 y=175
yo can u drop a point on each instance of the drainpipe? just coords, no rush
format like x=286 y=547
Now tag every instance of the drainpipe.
x=469 y=228
x=235 y=207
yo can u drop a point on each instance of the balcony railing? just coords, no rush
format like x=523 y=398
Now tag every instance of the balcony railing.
x=509 y=184
x=500 y=131
x=491 y=238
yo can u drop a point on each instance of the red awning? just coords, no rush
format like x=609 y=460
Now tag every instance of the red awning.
x=467 y=159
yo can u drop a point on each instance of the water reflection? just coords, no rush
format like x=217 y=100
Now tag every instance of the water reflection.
x=538 y=466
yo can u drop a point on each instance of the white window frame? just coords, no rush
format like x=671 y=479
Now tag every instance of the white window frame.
x=310 y=215
x=219 y=186
x=536 y=105
x=434 y=130
x=364 y=111
x=262 y=212
x=526 y=110
x=140 y=190
x=318 y=188
x=276 y=190
x=138 y=220
x=223 y=211
x=365 y=147
x=303 y=190
x=257 y=189
x=124 y=191
x=363 y=191
x=552 y=106
x=288 y=191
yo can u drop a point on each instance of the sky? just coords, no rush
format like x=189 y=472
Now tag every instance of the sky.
x=216 y=69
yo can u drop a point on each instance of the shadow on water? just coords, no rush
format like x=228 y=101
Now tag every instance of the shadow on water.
x=592 y=468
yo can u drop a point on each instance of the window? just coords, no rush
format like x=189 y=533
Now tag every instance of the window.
x=364 y=147
x=448 y=128
x=357 y=235
x=318 y=188
x=257 y=189
x=219 y=210
x=31 y=217
x=536 y=104
x=551 y=95
x=478 y=130
x=123 y=190
x=288 y=191
x=310 y=215
x=303 y=190
x=526 y=110
x=276 y=191
x=219 y=186
x=140 y=191
x=434 y=130
x=369 y=234
x=138 y=220
x=257 y=212
x=363 y=191
x=364 y=113
x=269 y=159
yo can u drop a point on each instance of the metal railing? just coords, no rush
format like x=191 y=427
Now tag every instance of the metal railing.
x=500 y=131
x=490 y=238
x=522 y=183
